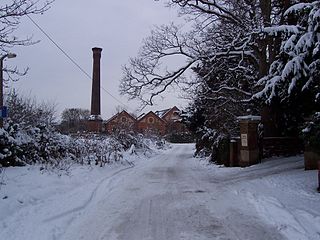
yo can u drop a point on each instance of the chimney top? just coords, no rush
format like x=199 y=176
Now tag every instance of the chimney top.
x=97 y=49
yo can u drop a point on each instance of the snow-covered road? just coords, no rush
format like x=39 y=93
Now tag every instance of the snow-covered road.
x=173 y=196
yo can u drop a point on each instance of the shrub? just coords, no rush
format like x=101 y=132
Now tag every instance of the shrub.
x=180 y=137
x=9 y=150
x=43 y=145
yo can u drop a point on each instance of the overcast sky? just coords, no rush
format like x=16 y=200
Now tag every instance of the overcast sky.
x=116 y=26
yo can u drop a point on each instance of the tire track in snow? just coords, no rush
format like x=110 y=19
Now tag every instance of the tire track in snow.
x=100 y=218
x=77 y=210
x=90 y=199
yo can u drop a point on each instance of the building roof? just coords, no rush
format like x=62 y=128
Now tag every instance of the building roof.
x=116 y=115
x=163 y=112
x=160 y=114
x=142 y=116
x=174 y=109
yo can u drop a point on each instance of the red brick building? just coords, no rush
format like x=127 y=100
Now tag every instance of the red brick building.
x=169 y=115
x=173 y=120
x=151 y=123
x=122 y=120
x=159 y=122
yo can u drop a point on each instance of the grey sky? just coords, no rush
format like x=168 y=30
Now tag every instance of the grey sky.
x=117 y=26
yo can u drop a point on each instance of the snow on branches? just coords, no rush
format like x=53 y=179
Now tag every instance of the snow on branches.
x=296 y=68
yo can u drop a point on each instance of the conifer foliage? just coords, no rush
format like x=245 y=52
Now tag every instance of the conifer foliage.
x=295 y=72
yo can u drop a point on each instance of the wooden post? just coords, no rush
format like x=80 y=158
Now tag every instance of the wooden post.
x=234 y=159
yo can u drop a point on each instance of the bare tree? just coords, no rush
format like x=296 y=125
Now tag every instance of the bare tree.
x=222 y=30
x=27 y=111
x=225 y=29
x=75 y=114
x=73 y=119
x=11 y=13
x=230 y=47
x=119 y=109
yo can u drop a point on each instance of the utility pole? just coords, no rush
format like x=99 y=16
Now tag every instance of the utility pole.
x=9 y=55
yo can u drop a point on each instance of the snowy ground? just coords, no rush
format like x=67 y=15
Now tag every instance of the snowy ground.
x=169 y=196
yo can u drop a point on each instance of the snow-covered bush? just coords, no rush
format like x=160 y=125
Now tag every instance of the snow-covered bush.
x=28 y=145
x=28 y=137
x=9 y=150
x=43 y=145
x=127 y=138
x=205 y=141
x=141 y=142
x=102 y=149
x=98 y=150
x=220 y=150
x=210 y=143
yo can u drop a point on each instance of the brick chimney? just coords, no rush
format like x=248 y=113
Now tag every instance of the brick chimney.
x=95 y=121
x=95 y=97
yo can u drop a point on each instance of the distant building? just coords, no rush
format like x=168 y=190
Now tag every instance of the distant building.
x=169 y=115
x=122 y=120
x=151 y=123
x=160 y=122
x=173 y=120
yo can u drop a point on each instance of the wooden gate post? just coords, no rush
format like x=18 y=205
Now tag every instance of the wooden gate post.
x=234 y=158
x=249 y=148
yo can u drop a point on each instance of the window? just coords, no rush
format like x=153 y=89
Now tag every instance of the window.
x=150 y=120
x=123 y=119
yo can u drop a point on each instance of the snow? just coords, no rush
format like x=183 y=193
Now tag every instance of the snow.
x=306 y=130
x=305 y=42
x=274 y=30
x=250 y=117
x=95 y=117
x=298 y=7
x=167 y=196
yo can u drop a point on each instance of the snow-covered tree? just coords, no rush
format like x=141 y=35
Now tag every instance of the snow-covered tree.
x=294 y=75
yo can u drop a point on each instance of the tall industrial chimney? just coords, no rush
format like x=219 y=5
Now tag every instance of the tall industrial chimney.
x=94 y=123
x=95 y=97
